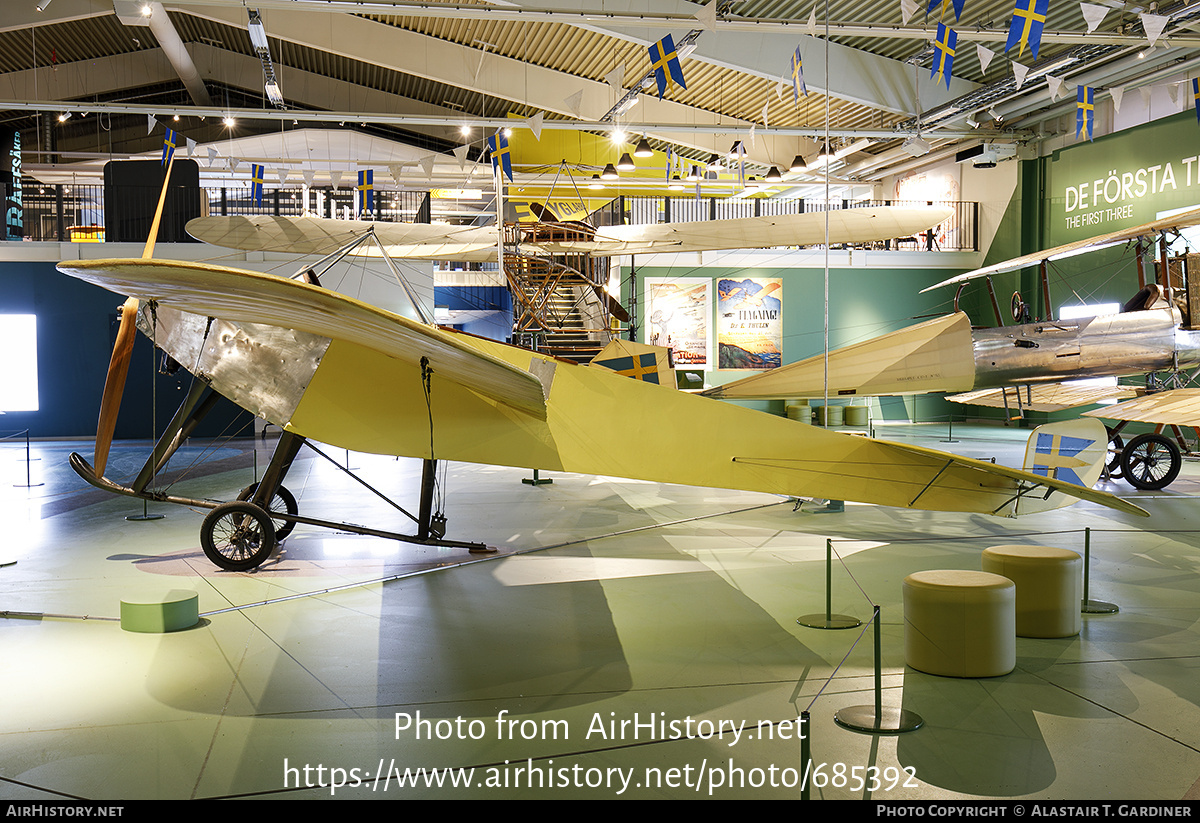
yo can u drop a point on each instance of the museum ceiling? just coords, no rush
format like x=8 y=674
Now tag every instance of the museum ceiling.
x=418 y=72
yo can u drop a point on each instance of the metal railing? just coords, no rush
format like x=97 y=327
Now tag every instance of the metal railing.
x=76 y=213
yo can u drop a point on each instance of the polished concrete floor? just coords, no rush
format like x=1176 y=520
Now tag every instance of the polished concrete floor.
x=609 y=605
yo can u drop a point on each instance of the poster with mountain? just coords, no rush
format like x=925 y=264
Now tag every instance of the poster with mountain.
x=749 y=323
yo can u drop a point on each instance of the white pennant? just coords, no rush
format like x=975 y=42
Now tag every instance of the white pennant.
x=395 y=170
x=752 y=127
x=812 y=21
x=765 y=107
x=461 y=153
x=234 y=163
x=780 y=88
x=1117 y=94
x=1153 y=24
x=534 y=124
x=907 y=9
x=615 y=77
x=985 y=56
x=212 y=156
x=708 y=16
x=1056 y=84
x=282 y=174
x=1173 y=91
x=191 y=144
x=335 y=179
x=150 y=123
x=574 y=101
x=1146 y=92
x=1019 y=71
x=1093 y=15
x=427 y=164
x=309 y=176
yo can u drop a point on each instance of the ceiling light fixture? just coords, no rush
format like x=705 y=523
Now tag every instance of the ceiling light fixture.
x=915 y=146
x=609 y=173
x=798 y=164
x=643 y=149
x=676 y=184
x=625 y=163
x=42 y=5
x=774 y=175
x=694 y=174
x=595 y=183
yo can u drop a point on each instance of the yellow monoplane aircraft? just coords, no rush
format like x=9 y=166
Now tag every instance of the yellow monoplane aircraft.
x=328 y=367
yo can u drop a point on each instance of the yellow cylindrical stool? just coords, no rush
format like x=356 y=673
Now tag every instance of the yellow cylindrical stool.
x=173 y=611
x=1049 y=587
x=960 y=623
x=856 y=415
x=800 y=411
x=830 y=415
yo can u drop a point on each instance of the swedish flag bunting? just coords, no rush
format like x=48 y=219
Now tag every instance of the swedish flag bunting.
x=169 y=142
x=958 y=7
x=498 y=146
x=798 y=86
x=1196 y=96
x=943 y=53
x=1085 y=111
x=366 y=190
x=256 y=183
x=1029 y=16
x=664 y=59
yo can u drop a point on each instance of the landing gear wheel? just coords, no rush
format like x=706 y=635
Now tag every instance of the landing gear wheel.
x=1115 y=446
x=1150 y=461
x=237 y=536
x=282 y=501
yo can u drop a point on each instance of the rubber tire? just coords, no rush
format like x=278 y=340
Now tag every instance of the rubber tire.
x=1141 y=459
x=283 y=501
x=1115 y=447
x=237 y=536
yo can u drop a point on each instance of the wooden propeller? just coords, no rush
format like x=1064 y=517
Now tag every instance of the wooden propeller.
x=114 y=384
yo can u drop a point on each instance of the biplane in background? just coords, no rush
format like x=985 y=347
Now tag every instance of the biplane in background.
x=326 y=366
x=1029 y=366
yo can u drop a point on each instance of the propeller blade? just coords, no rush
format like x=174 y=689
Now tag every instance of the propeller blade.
x=114 y=383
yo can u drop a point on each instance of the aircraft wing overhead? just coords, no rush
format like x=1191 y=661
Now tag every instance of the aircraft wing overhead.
x=845 y=226
x=931 y=356
x=1044 y=397
x=1177 y=407
x=317 y=235
x=1178 y=221
x=252 y=297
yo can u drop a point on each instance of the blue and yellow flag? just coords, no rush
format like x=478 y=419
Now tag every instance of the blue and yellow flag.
x=256 y=183
x=366 y=190
x=1057 y=456
x=1085 y=111
x=169 y=141
x=498 y=146
x=958 y=7
x=1196 y=96
x=798 y=76
x=663 y=59
x=943 y=53
x=1029 y=16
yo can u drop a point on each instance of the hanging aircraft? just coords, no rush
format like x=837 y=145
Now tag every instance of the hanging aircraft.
x=330 y=368
x=1024 y=366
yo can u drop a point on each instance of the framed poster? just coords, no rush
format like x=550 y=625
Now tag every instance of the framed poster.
x=749 y=322
x=677 y=317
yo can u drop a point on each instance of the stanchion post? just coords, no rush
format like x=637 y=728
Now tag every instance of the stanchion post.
x=1092 y=606
x=829 y=620
x=805 y=754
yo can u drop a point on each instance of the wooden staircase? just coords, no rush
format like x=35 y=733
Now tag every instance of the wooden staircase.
x=559 y=308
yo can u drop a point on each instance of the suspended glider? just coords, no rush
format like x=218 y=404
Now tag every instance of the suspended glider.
x=327 y=367
x=422 y=241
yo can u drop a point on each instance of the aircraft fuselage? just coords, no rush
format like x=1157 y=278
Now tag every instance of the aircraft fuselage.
x=1110 y=345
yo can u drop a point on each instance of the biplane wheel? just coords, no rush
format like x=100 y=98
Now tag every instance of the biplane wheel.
x=1150 y=461
x=1115 y=446
x=282 y=501
x=237 y=536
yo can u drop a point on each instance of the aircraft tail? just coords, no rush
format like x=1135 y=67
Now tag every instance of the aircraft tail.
x=1073 y=451
x=641 y=361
